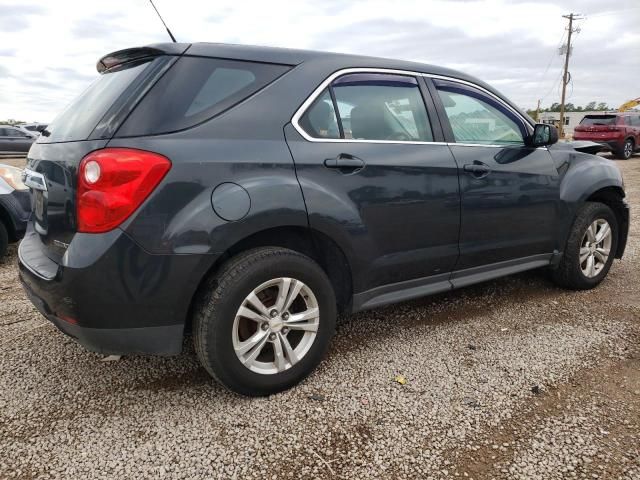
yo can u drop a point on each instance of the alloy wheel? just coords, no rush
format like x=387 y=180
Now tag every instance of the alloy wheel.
x=276 y=325
x=628 y=149
x=595 y=248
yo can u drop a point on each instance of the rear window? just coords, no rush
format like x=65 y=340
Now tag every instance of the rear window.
x=196 y=89
x=599 y=120
x=79 y=119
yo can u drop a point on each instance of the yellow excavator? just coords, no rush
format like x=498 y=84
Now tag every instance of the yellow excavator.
x=629 y=105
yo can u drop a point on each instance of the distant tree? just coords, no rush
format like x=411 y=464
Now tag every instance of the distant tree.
x=533 y=114
x=578 y=108
x=590 y=106
x=555 y=107
x=569 y=107
x=602 y=106
x=11 y=121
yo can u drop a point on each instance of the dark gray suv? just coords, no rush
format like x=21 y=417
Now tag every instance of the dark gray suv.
x=251 y=194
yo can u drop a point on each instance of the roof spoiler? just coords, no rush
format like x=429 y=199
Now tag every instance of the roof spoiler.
x=130 y=54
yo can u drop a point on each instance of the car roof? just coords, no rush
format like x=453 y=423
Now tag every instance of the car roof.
x=289 y=56
x=295 y=57
x=329 y=61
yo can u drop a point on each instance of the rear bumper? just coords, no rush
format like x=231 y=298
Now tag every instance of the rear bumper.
x=111 y=295
x=161 y=340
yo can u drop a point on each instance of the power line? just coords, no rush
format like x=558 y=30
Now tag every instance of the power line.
x=610 y=12
x=553 y=55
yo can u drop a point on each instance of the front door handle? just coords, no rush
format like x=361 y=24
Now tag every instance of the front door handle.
x=344 y=162
x=477 y=169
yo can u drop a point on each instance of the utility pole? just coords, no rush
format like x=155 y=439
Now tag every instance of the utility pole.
x=566 y=75
x=537 y=119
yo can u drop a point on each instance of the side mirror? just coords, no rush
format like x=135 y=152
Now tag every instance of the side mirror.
x=543 y=135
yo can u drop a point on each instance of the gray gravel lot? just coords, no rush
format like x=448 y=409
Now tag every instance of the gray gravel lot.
x=509 y=379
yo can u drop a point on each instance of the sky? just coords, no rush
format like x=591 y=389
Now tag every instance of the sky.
x=48 y=50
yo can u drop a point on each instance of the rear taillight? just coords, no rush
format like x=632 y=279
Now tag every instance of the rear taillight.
x=613 y=129
x=112 y=183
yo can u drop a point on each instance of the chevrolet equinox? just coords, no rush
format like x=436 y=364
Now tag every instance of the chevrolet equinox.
x=249 y=195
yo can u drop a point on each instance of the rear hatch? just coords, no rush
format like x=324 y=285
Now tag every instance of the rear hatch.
x=597 y=124
x=86 y=125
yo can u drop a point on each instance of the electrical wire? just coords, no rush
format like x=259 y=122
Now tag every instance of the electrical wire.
x=553 y=55
x=611 y=12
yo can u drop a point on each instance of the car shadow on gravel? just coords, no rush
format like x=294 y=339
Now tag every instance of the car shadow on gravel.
x=449 y=307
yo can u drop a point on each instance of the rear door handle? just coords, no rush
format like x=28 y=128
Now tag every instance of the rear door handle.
x=344 y=162
x=477 y=169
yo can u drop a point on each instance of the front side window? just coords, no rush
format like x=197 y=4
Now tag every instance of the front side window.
x=369 y=106
x=477 y=118
x=14 y=132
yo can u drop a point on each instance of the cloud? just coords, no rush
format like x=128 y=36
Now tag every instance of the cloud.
x=49 y=53
x=15 y=17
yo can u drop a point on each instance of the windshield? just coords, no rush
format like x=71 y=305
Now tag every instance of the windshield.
x=79 y=119
x=599 y=120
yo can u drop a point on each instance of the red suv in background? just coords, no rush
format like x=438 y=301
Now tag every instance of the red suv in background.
x=619 y=132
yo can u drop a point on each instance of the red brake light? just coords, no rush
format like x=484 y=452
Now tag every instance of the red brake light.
x=113 y=182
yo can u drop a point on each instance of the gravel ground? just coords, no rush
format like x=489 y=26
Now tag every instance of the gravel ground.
x=509 y=379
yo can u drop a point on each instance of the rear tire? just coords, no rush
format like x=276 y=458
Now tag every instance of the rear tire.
x=4 y=240
x=627 y=150
x=271 y=347
x=583 y=265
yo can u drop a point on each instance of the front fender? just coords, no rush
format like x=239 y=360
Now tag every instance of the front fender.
x=582 y=176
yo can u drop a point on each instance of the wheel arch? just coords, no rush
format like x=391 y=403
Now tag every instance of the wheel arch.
x=310 y=242
x=613 y=197
x=592 y=178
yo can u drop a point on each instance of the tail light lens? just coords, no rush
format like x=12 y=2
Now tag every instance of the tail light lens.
x=113 y=183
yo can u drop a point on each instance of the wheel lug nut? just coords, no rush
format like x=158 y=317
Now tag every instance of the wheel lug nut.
x=285 y=316
x=265 y=326
x=272 y=336
x=285 y=330
x=273 y=313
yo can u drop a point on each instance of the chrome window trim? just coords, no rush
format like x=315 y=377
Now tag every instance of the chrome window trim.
x=311 y=98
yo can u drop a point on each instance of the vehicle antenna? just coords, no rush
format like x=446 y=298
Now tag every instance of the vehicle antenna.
x=162 y=20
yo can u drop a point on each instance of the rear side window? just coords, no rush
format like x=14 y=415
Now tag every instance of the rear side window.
x=196 y=89
x=370 y=106
x=320 y=119
x=79 y=119
x=599 y=120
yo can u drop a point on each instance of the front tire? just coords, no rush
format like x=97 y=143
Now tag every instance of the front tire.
x=590 y=248
x=265 y=321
